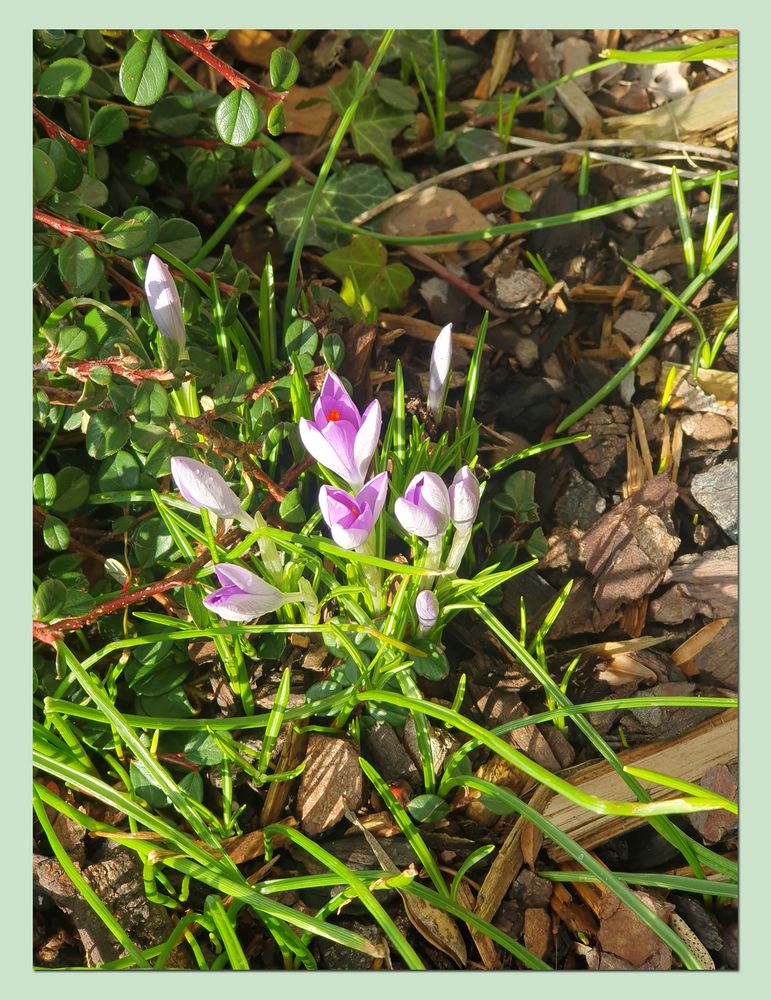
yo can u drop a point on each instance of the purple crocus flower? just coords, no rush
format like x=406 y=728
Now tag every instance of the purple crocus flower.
x=244 y=595
x=427 y=610
x=163 y=299
x=464 y=498
x=351 y=519
x=424 y=509
x=439 y=371
x=339 y=437
x=204 y=487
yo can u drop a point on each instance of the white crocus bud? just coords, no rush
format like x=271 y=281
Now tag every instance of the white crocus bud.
x=439 y=371
x=163 y=299
x=204 y=487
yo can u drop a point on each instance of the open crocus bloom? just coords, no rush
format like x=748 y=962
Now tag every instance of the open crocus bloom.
x=163 y=299
x=243 y=595
x=439 y=370
x=339 y=437
x=204 y=487
x=424 y=509
x=464 y=498
x=351 y=519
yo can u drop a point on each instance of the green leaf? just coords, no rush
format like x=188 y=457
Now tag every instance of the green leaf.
x=232 y=390
x=301 y=337
x=427 y=808
x=517 y=200
x=70 y=340
x=376 y=122
x=397 y=94
x=151 y=402
x=203 y=750
x=141 y=167
x=433 y=665
x=153 y=679
x=237 y=117
x=151 y=542
x=333 y=351
x=49 y=600
x=477 y=144
x=192 y=784
x=72 y=489
x=43 y=174
x=365 y=262
x=134 y=234
x=69 y=168
x=179 y=237
x=108 y=125
x=345 y=195
x=119 y=472
x=276 y=119
x=42 y=262
x=79 y=267
x=290 y=509
x=144 y=72
x=44 y=489
x=106 y=434
x=56 y=534
x=284 y=68
x=175 y=116
x=64 y=77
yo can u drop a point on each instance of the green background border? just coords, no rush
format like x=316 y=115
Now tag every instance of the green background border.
x=15 y=164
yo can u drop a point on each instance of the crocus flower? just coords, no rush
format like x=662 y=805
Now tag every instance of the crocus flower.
x=464 y=498
x=339 y=437
x=439 y=370
x=424 y=509
x=163 y=299
x=205 y=487
x=427 y=610
x=351 y=519
x=243 y=595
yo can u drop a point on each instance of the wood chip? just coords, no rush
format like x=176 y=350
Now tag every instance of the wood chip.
x=623 y=933
x=332 y=780
x=702 y=584
x=537 y=933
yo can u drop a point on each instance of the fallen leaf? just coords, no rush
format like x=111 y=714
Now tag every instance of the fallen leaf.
x=438 y=210
x=253 y=46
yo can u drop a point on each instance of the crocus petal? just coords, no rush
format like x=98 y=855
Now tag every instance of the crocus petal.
x=234 y=605
x=464 y=498
x=374 y=494
x=350 y=520
x=163 y=299
x=424 y=509
x=355 y=534
x=366 y=440
x=333 y=448
x=334 y=398
x=204 y=487
x=238 y=576
x=427 y=610
x=439 y=369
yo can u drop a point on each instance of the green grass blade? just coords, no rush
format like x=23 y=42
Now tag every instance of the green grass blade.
x=684 y=223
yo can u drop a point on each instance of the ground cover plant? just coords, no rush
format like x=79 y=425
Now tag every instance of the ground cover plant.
x=384 y=490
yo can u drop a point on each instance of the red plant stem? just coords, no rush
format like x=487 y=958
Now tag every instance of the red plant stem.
x=81 y=370
x=234 y=78
x=64 y=226
x=54 y=131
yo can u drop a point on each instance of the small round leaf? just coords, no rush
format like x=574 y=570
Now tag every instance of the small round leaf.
x=144 y=72
x=43 y=174
x=106 y=434
x=284 y=68
x=237 y=117
x=64 y=77
x=108 y=125
x=80 y=268
x=56 y=534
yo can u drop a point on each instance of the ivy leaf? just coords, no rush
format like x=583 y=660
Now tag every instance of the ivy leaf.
x=144 y=72
x=376 y=122
x=346 y=194
x=365 y=261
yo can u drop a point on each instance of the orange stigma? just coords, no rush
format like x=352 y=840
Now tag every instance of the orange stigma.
x=333 y=415
x=355 y=511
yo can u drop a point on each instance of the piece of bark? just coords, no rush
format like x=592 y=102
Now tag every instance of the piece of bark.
x=337 y=956
x=712 y=653
x=581 y=503
x=537 y=932
x=564 y=548
x=487 y=950
x=623 y=934
x=634 y=324
x=702 y=584
x=688 y=757
x=717 y=491
x=630 y=548
x=386 y=751
x=578 y=918
x=609 y=427
x=703 y=923
x=714 y=825
x=443 y=743
x=518 y=287
x=580 y=613
x=705 y=433
x=539 y=52
x=499 y=706
x=277 y=795
x=530 y=890
x=665 y=722
x=332 y=780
